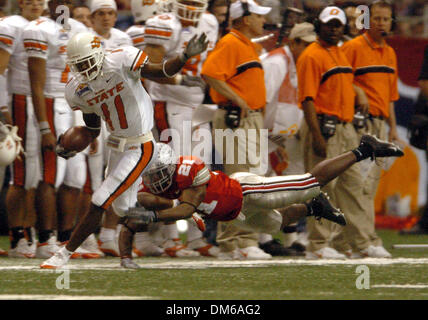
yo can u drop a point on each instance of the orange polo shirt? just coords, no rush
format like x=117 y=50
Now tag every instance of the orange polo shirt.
x=235 y=61
x=375 y=71
x=325 y=75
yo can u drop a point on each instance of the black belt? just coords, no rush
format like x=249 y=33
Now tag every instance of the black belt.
x=320 y=116
x=227 y=106
x=371 y=117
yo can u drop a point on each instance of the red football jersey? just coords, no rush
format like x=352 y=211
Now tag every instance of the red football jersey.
x=223 y=199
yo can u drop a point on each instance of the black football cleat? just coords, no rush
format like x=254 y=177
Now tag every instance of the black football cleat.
x=381 y=148
x=320 y=207
x=275 y=248
x=128 y=263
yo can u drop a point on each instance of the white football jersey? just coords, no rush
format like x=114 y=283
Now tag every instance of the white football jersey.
x=117 y=39
x=46 y=39
x=11 y=31
x=166 y=30
x=116 y=94
x=136 y=33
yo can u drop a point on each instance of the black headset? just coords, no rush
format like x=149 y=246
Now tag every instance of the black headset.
x=244 y=5
x=386 y=3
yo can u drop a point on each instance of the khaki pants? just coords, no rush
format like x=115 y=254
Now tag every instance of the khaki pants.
x=346 y=192
x=230 y=237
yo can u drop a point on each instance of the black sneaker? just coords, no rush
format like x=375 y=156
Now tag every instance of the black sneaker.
x=320 y=207
x=128 y=263
x=381 y=148
x=275 y=248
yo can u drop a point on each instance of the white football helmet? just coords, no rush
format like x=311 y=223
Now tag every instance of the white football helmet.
x=10 y=144
x=142 y=10
x=164 y=6
x=158 y=178
x=85 y=56
x=189 y=10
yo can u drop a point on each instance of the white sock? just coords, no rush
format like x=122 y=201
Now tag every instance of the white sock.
x=193 y=231
x=107 y=234
x=170 y=231
x=265 y=237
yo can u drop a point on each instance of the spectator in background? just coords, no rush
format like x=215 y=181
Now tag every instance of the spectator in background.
x=219 y=9
x=376 y=73
x=234 y=73
x=327 y=97
x=422 y=108
x=352 y=14
x=82 y=14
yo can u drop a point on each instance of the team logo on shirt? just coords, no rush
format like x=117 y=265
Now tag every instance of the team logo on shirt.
x=82 y=89
x=96 y=43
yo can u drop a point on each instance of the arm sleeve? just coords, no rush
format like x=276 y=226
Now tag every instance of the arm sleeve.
x=309 y=76
x=394 y=85
x=35 y=42
x=132 y=60
x=220 y=63
x=7 y=39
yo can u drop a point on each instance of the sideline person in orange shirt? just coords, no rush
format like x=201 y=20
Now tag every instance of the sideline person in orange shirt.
x=327 y=97
x=375 y=72
x=235 y=75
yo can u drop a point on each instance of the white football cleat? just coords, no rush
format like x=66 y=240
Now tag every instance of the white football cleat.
x=325 y=253
x=90 y=246
x=22 y=250
x=47 y=249
x=148 y=249
x=254 y=253
x=58 y=260
x=376 y=252
x=203 y=247
x=174 y=248
x=110 y=248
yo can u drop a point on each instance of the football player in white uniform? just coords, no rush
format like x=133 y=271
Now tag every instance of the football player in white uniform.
x=165 y=35
x=103 y=18
x=141 y=10
x=45 y=41
x=108 y=86
x=25 y=170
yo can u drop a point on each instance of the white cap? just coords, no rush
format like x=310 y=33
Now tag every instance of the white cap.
x=237 y=11
x=330 y=13
x=103 y=4
x=304 y=31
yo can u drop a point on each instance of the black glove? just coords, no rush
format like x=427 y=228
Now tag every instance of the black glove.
x=195 y=47
x=143 y=215
x=60 y=151
x=190 y=81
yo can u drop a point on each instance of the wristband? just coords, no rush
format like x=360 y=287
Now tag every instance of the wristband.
x=178 y=79
x=44 y=127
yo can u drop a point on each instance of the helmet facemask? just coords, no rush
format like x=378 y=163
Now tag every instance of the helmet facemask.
x=189 y=10
x=87 y=68
x=159 y=179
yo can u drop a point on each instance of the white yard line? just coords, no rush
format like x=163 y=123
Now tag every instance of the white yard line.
x=31 y=265
x=401 y=286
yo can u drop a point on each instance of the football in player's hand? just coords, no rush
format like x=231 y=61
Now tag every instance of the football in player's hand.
x=76 y=139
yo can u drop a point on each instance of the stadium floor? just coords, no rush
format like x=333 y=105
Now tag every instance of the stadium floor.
x=405 y=276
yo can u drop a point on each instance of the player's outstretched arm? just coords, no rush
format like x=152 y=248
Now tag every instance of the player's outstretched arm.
x=170 y=67
x=190 y=199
